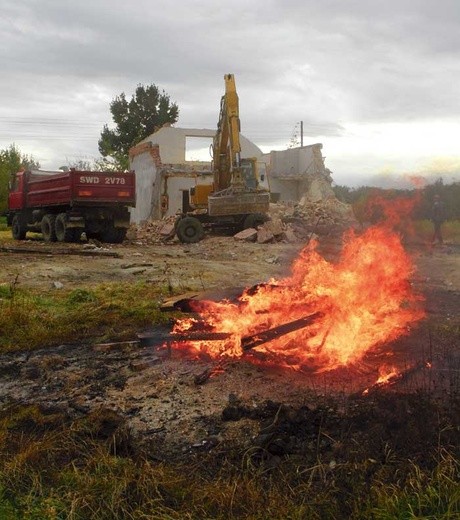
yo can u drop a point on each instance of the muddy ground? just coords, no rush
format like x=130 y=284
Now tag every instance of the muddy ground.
x=156 y=392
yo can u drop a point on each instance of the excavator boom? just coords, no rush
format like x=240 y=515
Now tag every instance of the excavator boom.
x=233 y=194
x=226 y=145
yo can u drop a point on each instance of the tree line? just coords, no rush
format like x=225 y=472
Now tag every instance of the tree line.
x=12 y=160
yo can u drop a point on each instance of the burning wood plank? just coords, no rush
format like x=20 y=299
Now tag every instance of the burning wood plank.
x=394 y=377
x=250 y=342
x=247 y=342
x=253 y=341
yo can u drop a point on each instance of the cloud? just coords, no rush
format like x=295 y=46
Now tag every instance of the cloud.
x=332 y=64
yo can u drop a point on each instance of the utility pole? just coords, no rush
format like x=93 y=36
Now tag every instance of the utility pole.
x=301 y=133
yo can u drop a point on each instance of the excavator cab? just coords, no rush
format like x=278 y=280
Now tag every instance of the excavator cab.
x=249 y=173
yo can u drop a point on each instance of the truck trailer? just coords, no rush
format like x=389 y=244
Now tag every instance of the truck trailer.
x=62 y=205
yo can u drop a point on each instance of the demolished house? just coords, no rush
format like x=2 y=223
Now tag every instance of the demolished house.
x=299 y=175
x=299 y=182
x=164 y=176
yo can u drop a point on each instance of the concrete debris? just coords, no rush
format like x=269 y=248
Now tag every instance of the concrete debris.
x=289 y=234
x=153 y=231
x=247 y=235
x=275 y=227
x=264 y=236
x=319 y=189
x=301 y=222
x=168 y=230
x=289 y=222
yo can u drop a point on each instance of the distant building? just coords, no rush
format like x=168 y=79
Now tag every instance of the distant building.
x=163 y=174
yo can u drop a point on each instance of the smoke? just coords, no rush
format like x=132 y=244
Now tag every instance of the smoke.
x=447 y=168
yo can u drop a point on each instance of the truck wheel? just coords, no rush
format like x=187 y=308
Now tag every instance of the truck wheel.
x=113 y=235
x=18 y=228
x=189 y=230
x=49 y=228
x=63 y=233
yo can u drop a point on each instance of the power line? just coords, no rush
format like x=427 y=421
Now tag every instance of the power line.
x=47 y=119
x=47 y=137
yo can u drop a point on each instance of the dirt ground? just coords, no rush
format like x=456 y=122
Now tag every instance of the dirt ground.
x=157 y=392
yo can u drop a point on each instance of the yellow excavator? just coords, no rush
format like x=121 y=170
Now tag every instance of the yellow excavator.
x=235 y=199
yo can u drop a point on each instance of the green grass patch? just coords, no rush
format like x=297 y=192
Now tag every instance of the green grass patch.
x=5 y=231
x=52 y=467
x=3 y=225
x=450 y=230
x=31 y=319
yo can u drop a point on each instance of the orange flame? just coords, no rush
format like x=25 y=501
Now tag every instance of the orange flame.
x=386 y=374
x=365 y=300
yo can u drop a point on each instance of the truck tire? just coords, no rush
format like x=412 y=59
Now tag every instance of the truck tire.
x=18 y=228
x=63 y=233
x=48 y=228
x=113 y=235
x=189 y=230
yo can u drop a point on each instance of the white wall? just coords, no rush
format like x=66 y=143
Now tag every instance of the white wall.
x=146 y=178
x=298 y=172
x=285 y=190
x=172 y=143
x=294 y=162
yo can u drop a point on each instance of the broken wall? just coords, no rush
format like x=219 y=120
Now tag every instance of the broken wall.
x=145 y=161
x=298 y=174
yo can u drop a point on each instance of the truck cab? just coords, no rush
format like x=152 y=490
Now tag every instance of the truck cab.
x=15 y=194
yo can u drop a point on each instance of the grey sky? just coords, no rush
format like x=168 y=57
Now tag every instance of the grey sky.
x=375 y=82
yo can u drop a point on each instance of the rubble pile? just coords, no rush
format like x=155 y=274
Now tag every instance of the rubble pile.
x=323 y=218
x=288 y=222
x=300 y=222
x=152 y=231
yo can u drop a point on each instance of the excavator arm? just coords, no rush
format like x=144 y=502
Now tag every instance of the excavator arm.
x=226 y=144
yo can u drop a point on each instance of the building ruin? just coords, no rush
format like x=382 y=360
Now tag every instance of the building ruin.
x=164 y=175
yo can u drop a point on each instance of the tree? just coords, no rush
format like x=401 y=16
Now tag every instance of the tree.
x=11 y=161
x=146 y=112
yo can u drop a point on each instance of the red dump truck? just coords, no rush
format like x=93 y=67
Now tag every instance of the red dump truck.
x=63 y=205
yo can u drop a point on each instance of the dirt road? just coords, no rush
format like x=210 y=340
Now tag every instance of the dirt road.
x=214 y=262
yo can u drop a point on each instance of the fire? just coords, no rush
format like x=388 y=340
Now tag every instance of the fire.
x=386 y=374
x=364 y=300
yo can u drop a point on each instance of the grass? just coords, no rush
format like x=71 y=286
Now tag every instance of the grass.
x=5 y=231
x=3 y=225
x=111 y=311
x=53 y=467
x=450 y=229
x=433 y=495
